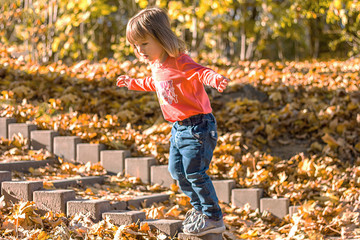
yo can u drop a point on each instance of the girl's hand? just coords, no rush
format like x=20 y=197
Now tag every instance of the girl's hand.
x=123 y=81
x=222 y=83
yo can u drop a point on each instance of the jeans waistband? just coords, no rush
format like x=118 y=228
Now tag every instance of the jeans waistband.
x=196 y=119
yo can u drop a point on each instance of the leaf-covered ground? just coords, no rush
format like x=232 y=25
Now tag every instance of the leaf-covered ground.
x=291 y=128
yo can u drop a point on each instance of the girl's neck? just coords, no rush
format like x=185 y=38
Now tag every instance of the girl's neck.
x=161 y=59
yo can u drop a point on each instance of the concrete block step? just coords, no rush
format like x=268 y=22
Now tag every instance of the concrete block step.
x=43 y=139
x=293 y=210
x=23 y=166
x=53 y=200
x=122 y=217
x=65 y=147
x=147 y=201
x=4 y=126
x=5 y=176
x=223 y=189
x=114 y=160
x=161 y=175
x=241 y=196
x=90 y=180
x=279 y=207
x=88 y=152
x=118 y=205
x=93 y=207
x=64 y=183
x=210 y=236
x=23 y=128
x=167 y=226
x=139 y=167
x=15 y=191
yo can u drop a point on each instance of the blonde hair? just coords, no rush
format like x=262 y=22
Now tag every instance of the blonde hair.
x=156 y=23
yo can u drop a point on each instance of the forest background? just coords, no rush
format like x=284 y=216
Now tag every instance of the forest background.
x=223 y=30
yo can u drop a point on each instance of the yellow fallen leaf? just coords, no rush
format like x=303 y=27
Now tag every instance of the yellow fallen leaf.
x=261 y=140
x=89 y=191
x=327 y=138
x=183 y=200
x=247 y=117
x=48 y=185
x=340 y=128
x=235 y=171
x=316 y=146
x=145 y=227
x=174 y=187
x=42 y=236
x=352 y=106
x=173 y=212
x=306 y=167
x=156 y=187
x=332 y=197
x=250 y=234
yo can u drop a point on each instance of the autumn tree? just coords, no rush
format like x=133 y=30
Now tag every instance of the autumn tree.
x=72 y=30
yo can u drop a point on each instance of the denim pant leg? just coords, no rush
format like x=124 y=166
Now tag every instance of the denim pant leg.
x=176 y=170
x=196 y=145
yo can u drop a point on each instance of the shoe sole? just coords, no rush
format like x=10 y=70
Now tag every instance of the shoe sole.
x=212 y=230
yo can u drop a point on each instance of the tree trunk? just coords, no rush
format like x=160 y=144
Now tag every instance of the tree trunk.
x=249 y=51
x=83 y=49
x=49 y=38
x=280 y=49
x=52 y=30
x=296 y=48
x=316 y=40
x=243 y=42
x=26 y=5
x=194 y=52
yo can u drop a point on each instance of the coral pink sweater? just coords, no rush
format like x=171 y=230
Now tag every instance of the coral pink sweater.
x=178 y=83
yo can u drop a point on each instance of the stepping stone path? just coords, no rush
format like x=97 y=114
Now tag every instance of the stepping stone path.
x=71 y=148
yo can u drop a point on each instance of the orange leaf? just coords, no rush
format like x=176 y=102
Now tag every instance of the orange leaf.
x=174 y=187
x=174 y=211
x=145 y=227
x=89 y=191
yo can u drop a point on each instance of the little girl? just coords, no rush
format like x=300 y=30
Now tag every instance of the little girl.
x=178 y=82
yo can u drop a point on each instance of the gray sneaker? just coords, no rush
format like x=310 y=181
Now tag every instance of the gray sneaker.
x=204 y=225
x=190 y=216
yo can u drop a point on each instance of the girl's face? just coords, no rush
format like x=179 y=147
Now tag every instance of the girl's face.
x=150 y=49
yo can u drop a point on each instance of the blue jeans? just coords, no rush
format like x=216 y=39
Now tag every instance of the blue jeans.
x=192 y=143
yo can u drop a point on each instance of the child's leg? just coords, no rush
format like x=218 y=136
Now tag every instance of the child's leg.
x=196 y=144
x=176 y=170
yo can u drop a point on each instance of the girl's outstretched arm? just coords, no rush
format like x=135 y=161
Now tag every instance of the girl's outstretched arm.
x=146 y=84
x=205 y=75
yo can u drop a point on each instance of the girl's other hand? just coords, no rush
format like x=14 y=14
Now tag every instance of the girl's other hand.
x=123 y=81
x=222 y=83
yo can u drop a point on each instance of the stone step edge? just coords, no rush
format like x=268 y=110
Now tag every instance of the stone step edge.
x=70 y=182
x=23 y=166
